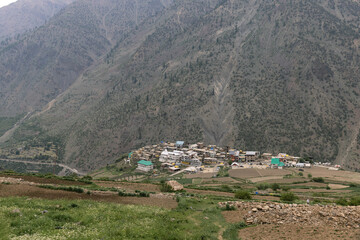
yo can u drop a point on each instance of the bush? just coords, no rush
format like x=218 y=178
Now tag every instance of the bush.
x=242 y=194
x=285 y=188
x=288 y=197
x=164 y=187
x=319 y=179
x=229 y=208
x=353 y=185
x=328 y=187
x=275 y=186
x=124 y=194
x=309 y=175
x=301 y=174
x=144 y=194
x=70 y=189
x=262 y=186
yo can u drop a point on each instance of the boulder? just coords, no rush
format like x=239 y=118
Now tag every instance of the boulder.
x=175 y=185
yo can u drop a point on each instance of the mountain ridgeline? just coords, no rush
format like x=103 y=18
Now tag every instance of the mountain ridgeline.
x=110 y=76
x=24 y=15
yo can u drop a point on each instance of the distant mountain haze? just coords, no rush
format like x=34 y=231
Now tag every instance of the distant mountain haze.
x=24 y=15
x=103 y=77
x=6 y=2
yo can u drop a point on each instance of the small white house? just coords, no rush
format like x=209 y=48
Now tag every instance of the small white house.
x=300 y=165
x=145 y=166
x=164 y=157
x=307 y=165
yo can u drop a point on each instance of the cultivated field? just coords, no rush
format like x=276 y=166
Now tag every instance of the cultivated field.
x=192 y=213
x=250 y=173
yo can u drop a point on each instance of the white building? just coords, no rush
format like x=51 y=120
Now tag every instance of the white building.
x=172 y=157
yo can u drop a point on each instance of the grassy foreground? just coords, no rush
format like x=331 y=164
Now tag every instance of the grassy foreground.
x=22 y=218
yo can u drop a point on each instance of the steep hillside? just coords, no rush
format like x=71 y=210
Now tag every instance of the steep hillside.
x=25 y=15
x=267 y=75
x=45 y=62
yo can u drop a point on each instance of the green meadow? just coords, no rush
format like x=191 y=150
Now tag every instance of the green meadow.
x=37 y=219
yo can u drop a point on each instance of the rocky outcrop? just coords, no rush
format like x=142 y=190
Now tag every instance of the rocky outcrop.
x=300 y=214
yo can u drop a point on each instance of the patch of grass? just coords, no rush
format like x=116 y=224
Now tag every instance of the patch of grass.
x=354 y=201
x=185 y=181
x=196 y=181
x=232 y=232
x=226 y=188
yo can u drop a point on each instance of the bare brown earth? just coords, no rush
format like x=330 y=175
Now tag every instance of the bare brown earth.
x=311 y=184
x=294 y=232
x=199 y=175
x=207 y=192
x=320 y=190
x=234 y=216
x=23 y=190
x=130 y=186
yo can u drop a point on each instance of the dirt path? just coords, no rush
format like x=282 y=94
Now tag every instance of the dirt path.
x=221 y=231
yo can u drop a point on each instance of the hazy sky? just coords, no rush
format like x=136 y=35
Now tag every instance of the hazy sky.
x=6 y=2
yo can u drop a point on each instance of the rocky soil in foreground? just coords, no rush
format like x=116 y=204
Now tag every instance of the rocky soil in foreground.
x=315 y=215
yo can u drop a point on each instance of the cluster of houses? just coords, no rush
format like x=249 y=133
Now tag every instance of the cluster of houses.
x=194 y=157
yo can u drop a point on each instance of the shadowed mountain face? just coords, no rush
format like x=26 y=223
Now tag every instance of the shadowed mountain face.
x=24 y=15
x=259 y=75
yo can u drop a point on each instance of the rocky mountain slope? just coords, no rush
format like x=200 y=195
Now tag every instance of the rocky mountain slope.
x=25 y=15
x=263 y=75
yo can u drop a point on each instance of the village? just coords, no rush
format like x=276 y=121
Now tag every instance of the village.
x=194 y=158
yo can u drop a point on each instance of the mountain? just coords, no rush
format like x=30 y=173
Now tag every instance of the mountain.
x=25 y=15
x=45 y=62
x=274 y=76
